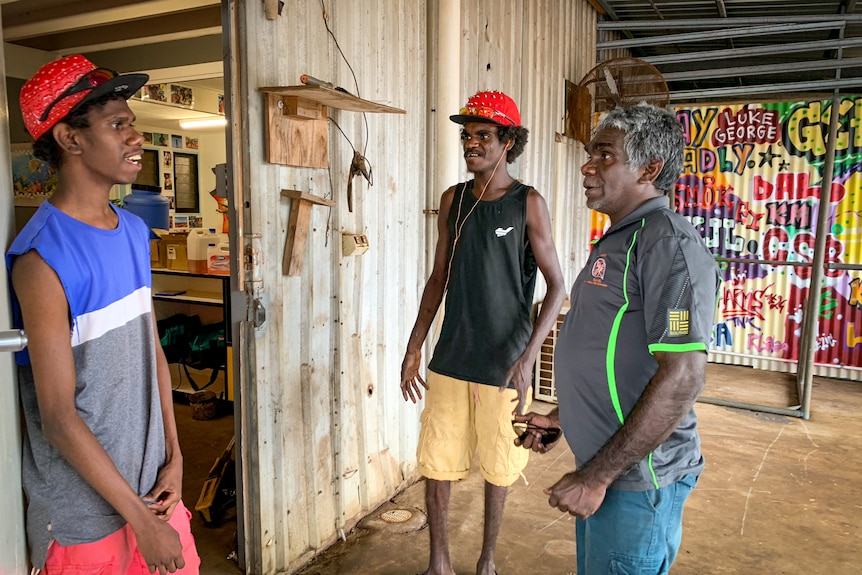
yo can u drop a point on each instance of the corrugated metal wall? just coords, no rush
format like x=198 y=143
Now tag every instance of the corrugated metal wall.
x=327 y=436
x=528 y=50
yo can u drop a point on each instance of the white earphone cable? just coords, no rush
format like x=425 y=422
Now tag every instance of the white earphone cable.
x=458 y=216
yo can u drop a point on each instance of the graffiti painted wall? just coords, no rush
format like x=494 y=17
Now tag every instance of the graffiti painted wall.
x=752 y=185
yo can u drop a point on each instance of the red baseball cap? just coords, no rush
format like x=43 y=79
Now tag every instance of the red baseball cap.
x=493 y=107
x=60 y=86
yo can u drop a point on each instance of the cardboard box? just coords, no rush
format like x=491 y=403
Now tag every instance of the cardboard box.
x=157 y=254
x=176 y=251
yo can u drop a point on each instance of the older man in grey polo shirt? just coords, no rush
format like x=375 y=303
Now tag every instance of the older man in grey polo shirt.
x=631 y=356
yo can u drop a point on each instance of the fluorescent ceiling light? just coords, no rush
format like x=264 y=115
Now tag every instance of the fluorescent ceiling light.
x=207 y=123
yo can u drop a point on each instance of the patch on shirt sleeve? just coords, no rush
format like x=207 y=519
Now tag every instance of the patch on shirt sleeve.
x=677 y=322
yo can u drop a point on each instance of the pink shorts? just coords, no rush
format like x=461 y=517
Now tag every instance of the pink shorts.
x=117 y=554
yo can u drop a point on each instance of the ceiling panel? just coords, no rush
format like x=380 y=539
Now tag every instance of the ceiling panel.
x=137 y=30
x=740 y=49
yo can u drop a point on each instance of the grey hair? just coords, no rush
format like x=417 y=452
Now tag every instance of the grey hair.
x=651 y=133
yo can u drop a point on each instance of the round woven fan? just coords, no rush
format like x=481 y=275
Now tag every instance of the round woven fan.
x=615 y=83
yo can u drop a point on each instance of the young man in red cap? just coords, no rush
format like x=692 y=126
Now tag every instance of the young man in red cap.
x=102 y=465
x=493 y=234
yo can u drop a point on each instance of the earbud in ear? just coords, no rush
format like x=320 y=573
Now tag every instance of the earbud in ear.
x=510 y=144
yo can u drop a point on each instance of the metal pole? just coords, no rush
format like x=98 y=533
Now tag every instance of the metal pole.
x=811 y=319
x=794 y=67
x=752 y=406
x=764 y=50
x=779 y=88
x=812 y=311
x=718 y=23
x=770 y=29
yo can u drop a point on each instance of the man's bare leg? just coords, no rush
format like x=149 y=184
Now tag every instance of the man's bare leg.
x=495 y=501
x=437 y=504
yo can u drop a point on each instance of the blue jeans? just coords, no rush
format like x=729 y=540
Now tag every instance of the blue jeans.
x=633 y=532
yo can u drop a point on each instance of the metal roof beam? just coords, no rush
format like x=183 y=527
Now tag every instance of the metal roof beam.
x=725 y=33
x=766 y=50
x=603 y=4
x=745 y=91
x=764 y=69
x=721 y=23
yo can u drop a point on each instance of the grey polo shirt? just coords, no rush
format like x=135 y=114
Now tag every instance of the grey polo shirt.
x=650 y=284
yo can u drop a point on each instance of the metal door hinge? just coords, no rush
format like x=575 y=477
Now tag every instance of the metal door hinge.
x=252 y=262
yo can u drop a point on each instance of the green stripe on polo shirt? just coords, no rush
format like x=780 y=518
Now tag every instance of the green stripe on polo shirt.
x=615 y=330
x=677 y=347
x=612 y=349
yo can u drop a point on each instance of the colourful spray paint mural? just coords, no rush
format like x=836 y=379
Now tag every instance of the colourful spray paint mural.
x=751 y=186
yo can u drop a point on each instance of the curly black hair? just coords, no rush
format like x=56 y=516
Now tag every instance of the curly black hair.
x=518 y=134
x=46 y=147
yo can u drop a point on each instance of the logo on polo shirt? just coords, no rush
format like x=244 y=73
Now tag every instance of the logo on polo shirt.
x=677 y=322
x=502 y=232
x=599 y=269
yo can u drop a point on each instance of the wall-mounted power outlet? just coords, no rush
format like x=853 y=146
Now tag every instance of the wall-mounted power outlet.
x=354 y=244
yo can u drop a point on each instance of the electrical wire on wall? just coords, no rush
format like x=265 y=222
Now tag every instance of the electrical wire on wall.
x=359 y=164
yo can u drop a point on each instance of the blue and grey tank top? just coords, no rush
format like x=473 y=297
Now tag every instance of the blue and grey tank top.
x=106 y=278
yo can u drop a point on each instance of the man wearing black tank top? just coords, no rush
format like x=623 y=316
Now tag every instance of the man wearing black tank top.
x=494 y=235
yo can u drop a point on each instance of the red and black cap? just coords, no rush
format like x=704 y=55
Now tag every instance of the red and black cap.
x=60 y=86
x=492 y=107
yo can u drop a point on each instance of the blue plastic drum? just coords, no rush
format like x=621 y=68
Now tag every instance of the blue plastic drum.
x=148 y=203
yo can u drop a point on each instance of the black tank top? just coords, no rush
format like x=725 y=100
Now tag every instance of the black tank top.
x=488 y=302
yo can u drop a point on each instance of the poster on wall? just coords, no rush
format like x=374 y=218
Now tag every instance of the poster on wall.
x=155 y=92
x=182 y=96
x=176 y=141
x=160 y=139
x=32 y=179
x=752 y=186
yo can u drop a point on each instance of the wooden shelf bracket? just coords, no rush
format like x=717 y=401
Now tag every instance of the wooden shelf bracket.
x=297 y=125
x=297 y=228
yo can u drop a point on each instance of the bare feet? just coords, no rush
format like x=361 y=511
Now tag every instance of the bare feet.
x=486 y=567
x=443 y=571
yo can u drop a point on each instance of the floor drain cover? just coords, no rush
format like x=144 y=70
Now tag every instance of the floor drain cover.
x=396 y=516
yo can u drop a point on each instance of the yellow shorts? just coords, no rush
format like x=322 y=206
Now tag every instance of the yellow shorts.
x=454 y=425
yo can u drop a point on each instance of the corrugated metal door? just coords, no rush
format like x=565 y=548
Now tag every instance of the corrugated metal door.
x=12 y=537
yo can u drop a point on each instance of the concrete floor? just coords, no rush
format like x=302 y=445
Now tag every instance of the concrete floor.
x=779 y=495
x=202 y=442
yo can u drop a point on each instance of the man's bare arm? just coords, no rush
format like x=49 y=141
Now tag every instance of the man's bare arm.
x=542 y=243
x=668 y=397
x=432 y=296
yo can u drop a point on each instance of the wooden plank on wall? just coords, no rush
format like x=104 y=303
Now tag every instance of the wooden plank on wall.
x=295 y=141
